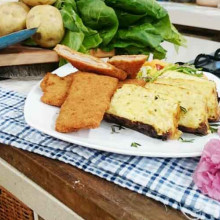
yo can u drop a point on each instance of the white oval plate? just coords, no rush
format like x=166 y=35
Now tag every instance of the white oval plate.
x=42 y=117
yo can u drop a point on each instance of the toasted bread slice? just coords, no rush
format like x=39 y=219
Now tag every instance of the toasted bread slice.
x=88 y=63
x=205 y=87
x=138 y=82
x=55 y=89
x=194 y=112
x=131 y=64
x=88 y=98
x=140 y=109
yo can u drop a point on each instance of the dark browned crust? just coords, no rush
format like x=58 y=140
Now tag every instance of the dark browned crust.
x=131 y=66
x=138 y=126
x=96 y=66
x=202 y=129
x=214 y=119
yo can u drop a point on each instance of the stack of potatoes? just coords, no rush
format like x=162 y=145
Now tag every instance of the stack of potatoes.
x=16 y=16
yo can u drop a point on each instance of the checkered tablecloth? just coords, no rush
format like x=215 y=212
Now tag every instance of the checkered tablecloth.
x=167 y=180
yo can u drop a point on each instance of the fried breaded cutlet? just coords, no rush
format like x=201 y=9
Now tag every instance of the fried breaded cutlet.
x=88 y=98
x=137 y=82
x=88 y=63
x=55 y=89
x=131 y=64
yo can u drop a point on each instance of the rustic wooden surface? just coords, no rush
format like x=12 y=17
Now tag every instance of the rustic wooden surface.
x=20 y=55
x=89 y=196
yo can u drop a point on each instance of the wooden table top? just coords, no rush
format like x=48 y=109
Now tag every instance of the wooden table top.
x=89 y=196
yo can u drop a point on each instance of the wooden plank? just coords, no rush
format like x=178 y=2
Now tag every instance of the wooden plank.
x=21 y=55
x=89 y=196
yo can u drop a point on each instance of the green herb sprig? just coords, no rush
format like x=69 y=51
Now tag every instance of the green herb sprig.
x=114 y=127
x=186 y=140
x=134 y=144
x=214 y=127
x=183 y=109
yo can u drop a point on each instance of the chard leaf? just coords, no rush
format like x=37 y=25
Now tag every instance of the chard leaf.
x=98 y=16
x=140 y=7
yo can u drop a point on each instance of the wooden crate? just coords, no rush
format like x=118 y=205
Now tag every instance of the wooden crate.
x=13 y=209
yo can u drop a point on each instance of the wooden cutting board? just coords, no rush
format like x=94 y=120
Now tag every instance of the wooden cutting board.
x=23 y=55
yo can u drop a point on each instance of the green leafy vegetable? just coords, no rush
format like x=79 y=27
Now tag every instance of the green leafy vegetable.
x=143 y=36
x=127 y=19
x=140 y=7
x=128 y=26
x=168 y=31
x=77 y=36
x=134 y=144
x=98 y=16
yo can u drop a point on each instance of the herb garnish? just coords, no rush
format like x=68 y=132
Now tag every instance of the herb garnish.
x=134 y=144
x=186 y=140
x=214 y=127
x=119 y=127
x=186 y=69
x=183 y=109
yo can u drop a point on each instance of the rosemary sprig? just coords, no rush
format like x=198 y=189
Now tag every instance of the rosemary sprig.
x=183 y=109
x=134 y=144
x=119 y=127
x=186 y=140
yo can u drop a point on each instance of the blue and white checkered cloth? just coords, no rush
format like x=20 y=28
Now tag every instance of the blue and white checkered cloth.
x=166 y=180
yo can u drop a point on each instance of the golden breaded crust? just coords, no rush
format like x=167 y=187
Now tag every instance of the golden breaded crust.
x=55 y=89
x=88 y=63
x=137 y=82
x=43 y=83
x=88 y=99
x=131 y=64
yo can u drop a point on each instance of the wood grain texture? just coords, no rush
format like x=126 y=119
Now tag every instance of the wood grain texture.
x=89 y=196
x=20 y=55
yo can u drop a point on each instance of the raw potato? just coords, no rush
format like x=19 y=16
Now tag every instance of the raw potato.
x=38 y=2
x=12 y=17
x=50 y=25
